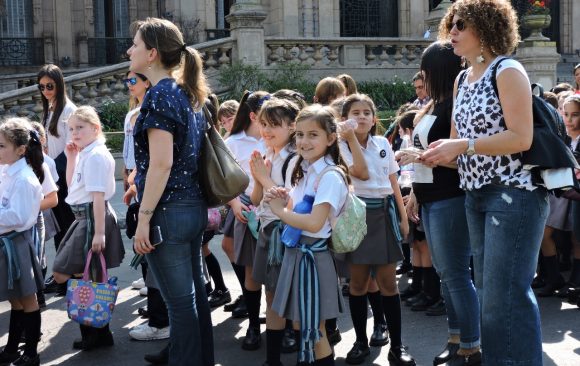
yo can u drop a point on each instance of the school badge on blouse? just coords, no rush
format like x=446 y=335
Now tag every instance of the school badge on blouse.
x=5 y=201
x=383 y=153
x=78 y=177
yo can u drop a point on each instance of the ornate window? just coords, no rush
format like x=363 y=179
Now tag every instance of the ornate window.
x=16 y=19
x=369 y=18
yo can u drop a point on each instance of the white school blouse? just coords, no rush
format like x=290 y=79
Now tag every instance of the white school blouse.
x=332 y=189
x=380 y=162
x=94 y=172
x=242 y=147
x=51 y=167
x=55 y=144
x=129 y=141
x=48 y=184
x=264 y=211
x=20 y=196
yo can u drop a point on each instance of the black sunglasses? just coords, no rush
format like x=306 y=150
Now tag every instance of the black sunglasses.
x=131 y=81
x=48 y=86
x=459 y=24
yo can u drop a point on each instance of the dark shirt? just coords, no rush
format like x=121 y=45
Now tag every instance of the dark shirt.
x=167 y=107
x=445 y=180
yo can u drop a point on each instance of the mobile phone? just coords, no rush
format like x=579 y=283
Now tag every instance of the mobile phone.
x=155 y=237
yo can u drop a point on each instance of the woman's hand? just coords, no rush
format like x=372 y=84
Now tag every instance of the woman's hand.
x=260 y=169
x=444 y=151
x=98 y=245
x=141 y=243
x=71 y=151
x=237 y=208
x=404 y=158
x=412 y=209
x=129 y=195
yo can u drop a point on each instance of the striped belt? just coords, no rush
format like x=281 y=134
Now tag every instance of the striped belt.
x=275 y=246
x=82 y=212
x=392 y=214
x=7 y=246
x=309 y=297
x=253 y=223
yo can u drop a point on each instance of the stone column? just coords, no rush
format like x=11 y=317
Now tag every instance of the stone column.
x=540 y=59
x=246 y=18
x=48 y=47
x=83 y=49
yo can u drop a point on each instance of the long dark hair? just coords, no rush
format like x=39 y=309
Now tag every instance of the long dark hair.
x=440 y=66
x=19 y=132
x=251 y=102
x=53 y=72
x=167 y=39
x=324 y=117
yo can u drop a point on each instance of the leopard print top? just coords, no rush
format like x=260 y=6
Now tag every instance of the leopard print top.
x=478 y=113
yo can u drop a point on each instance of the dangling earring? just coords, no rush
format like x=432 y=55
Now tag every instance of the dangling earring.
x=149 y=66
x=480 y=59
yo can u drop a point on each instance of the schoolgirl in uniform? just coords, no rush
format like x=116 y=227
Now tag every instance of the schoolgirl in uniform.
x=243 y=141
x=373 y=169
x=20 y=272
x=277 y=127
x=91 y=180
x=308 y=271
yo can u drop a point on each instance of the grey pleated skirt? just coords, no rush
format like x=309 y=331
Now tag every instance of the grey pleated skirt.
x=560 y=216
x=286 y=299
x=262 y=272
x=31 y=279
x=70 y=257
x=380 y=245
x=228 y=226
x=244 y=244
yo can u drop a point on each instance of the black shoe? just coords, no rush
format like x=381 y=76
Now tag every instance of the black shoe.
x=437 y=309
x=448 y=353
x=289 y=344
x=160 y=358
x=143 y=311
x=413 y=299
x=93 y=338
x=471 y=360
x=241 y=311
x=550 y=289
x=380 y=336
x=358 y=353
x=50 y=285
x=409 y=292
x=399 y=356
x=6 y=357
x=424 y=304
x=230 y=307
x=218 y=298
x=333 y=336
x=538 y=282
x=61 y=289
x=252 y=340
x=25 y=360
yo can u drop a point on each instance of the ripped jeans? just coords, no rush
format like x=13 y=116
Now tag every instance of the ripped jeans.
x=505 y=228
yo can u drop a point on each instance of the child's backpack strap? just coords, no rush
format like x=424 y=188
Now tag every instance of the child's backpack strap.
x=285 y=166
x=326 y=170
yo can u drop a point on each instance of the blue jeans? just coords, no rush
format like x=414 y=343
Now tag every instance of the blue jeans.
x=506 y=227
x=176 y=264
x=445 y=226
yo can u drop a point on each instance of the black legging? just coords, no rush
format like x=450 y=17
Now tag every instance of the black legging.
x=62 y=211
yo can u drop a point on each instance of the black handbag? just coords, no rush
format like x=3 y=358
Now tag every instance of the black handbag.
x=221 y=176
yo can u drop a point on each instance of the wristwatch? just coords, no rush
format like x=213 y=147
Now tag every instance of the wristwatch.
x=470 y=147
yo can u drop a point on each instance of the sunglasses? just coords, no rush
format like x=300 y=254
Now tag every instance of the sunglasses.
x=131 y=81
x=459 y=24
x=49 y=87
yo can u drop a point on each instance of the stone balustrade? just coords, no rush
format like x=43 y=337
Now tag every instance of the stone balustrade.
x=103 y=84
x=346 y=52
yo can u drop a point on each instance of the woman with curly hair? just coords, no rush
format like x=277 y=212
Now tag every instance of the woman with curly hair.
x=506 y=212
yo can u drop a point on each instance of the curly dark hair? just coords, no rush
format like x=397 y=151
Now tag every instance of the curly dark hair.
x=495 y=22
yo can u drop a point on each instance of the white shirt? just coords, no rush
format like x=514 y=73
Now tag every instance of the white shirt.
x=242 y=147
x=332 y=189
x=55 y=144
x=264 y=211
x=129 y=142
x=51 y=167
x=48 y=184
x=380 y=162
x=94 y=172
x=20 y=193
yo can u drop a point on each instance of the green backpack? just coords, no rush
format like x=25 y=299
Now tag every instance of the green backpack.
x=350 y=226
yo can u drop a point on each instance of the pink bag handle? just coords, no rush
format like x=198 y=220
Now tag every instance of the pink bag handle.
x=105 y=277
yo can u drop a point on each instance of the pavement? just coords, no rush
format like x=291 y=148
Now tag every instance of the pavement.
x=424 y=335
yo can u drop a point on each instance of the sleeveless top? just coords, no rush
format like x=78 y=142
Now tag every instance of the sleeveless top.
x=478 y=113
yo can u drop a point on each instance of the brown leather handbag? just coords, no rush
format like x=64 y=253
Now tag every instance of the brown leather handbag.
x=221 y=176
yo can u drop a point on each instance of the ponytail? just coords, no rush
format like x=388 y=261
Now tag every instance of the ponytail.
x=34 y=156
x=193 y=80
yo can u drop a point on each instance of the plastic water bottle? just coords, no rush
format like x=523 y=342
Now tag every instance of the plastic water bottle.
x=291 y=235
x=407 y=171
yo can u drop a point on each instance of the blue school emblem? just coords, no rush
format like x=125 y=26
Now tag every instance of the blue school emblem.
x=383 y=153
x=78 y=177
x=5 y=201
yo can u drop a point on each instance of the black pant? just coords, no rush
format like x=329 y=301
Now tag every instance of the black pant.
x=62 y=212
x=156 y=308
